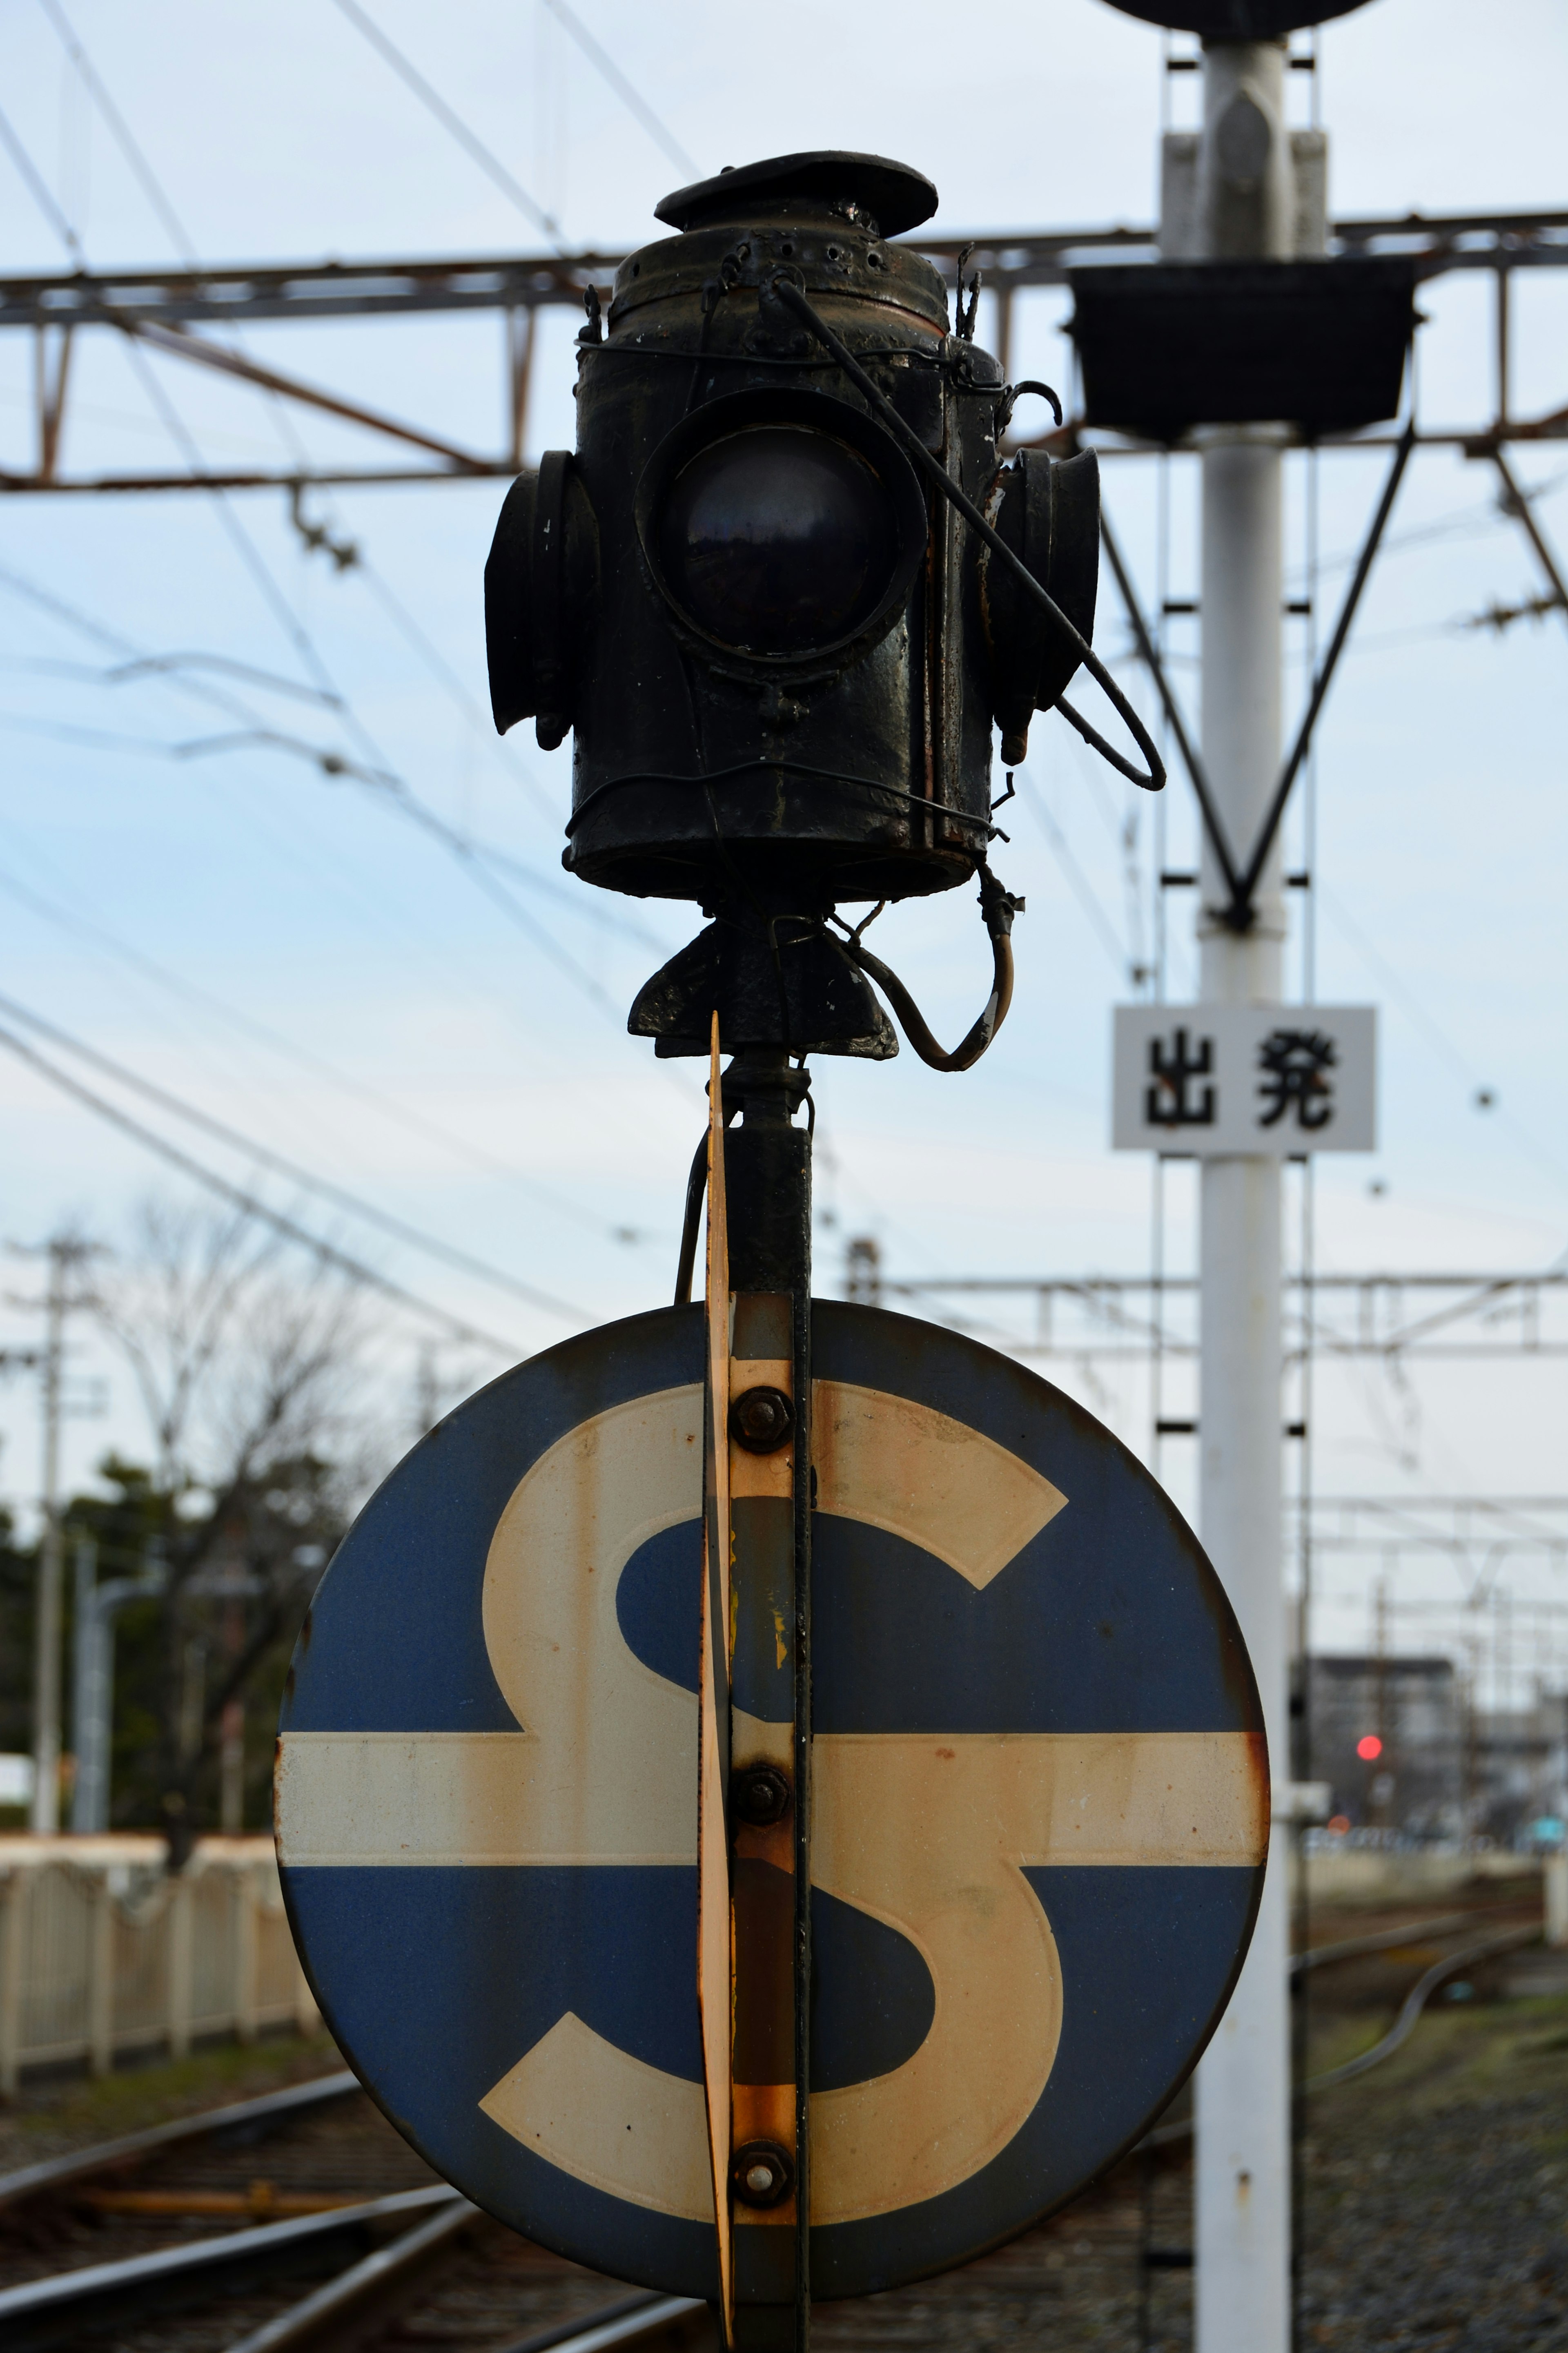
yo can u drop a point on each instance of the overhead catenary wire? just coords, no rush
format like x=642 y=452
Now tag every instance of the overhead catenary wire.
x=327 y=1253
x=264 y=1156
x=38 y=189
x=1077 y=880
x=450 y=119
x=385 y=778
x=257 y=732
x=178 y=235
x=203 y=690
x=380 y=775
x=626 y=91
x=1435 y=1036
x=247 y=1025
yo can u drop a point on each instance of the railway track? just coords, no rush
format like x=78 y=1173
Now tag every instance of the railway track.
x=302 y=2220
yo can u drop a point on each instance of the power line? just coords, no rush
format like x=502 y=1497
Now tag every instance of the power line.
x=625 y=91
x=441 y=670
x=169 y=666
x=470 y=140
x=326 y=1252
x=1078 y=882
x=1436 y=1036
x=214 y=696
x=245 y=1023
x=38 y=189
x=266 y=1157
x=386 y=782
x=383 y=777
x=173 y=228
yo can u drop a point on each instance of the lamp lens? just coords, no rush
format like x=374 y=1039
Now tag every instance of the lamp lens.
x=778 y=539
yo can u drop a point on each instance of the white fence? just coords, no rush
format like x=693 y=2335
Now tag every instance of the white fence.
x=103 y=1951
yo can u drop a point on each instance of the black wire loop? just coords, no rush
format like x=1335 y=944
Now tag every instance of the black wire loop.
x=997 y=907
x=1014 y=393
x=1151 y=780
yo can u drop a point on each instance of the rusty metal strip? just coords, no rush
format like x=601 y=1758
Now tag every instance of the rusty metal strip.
x=804 y=1503
x=764 y=2104
x=184 y=345
x=715 y=1938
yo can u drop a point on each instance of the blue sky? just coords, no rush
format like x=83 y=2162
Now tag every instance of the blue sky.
x=510 y=1115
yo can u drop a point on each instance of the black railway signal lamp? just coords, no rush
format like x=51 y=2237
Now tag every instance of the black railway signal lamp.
x=780 y=592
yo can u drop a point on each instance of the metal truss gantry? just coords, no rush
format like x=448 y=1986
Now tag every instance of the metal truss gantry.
x=181 y=313
x=1132 y=1318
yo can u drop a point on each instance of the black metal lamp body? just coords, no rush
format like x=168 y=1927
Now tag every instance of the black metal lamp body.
x=780 y=650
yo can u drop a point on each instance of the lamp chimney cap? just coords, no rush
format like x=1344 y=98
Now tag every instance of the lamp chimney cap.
x=892 y=195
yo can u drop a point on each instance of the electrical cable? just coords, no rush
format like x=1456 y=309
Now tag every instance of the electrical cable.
x=1077 y=880
x=998 y=908
x=386 y=780
x=265 y=1157
x=174 y=229
x=38 y=189
x=441 y=670
x=174 y=226
x=1436 y=1037
x=334 y=766
x=331 y=762
x=624 y=89
x=252 y=1204
x=460 y=845
x=198 y=690
x=780 y=286
x=186 y=991
x=450 y=119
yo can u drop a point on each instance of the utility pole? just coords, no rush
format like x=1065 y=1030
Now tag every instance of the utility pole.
x=1240 y=205
x=93 y=1713
x=65 y=1252
x=46 y=1813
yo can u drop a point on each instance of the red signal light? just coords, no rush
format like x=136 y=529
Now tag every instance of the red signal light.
x=1369 y=1746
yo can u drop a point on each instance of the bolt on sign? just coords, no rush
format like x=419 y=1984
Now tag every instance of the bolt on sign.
x=1225 y=1080
x=1040 y=1800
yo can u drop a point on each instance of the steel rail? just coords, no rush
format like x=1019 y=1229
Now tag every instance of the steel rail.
x=628 y=2320
x=374 y=2276
x=1386 y=1940
x=1415 y=2002
x=54 y=2309
x=264 y=2113
x=617 y=2325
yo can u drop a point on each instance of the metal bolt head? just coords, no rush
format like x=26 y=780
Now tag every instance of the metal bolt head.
x=762 y=1421
x=761 y=1795
x=762 y=2173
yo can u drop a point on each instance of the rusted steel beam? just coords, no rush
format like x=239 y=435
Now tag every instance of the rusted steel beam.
x=336 y=290
x=186 y=346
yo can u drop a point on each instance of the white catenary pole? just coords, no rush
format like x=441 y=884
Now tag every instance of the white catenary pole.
x=1241 y=203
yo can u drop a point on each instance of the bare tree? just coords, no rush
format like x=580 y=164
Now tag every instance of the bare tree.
x=252 y=1373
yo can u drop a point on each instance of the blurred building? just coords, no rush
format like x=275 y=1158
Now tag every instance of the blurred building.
x=1519 y=1771
x=1388 y=1735
x=1405 y=1750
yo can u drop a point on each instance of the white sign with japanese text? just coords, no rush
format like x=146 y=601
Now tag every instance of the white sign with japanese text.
x=1228 y=1079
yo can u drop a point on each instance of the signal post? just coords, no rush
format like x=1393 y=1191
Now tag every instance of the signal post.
x=1241 y=1080
x=1245 y=210
x=805 y=1803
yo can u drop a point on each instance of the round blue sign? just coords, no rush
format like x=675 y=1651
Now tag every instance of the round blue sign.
x=1040 y=1813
